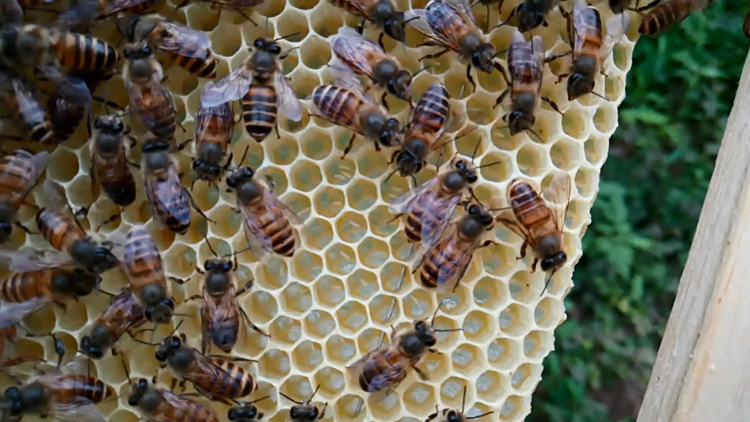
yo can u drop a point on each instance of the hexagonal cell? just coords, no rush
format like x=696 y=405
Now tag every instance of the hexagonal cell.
x=372 y=252
x=75 y=315
x=350 y=408
x=467 y=359
x=329 y=291
x=394 y=188
x=595 y=149
x=293 y=22
x=436 y=365
x=274 y=364
x=299 y=203
x=515 y=320
x=404 y=250
x=285 y=330
x=394 y=276
x=307 y=266
x=548 y=313
x=306 y=176
x=318 y=324
x=178 y=261
x=63 y=165
x=43 y=320
x=361 y=194
x=381 y=221
x=362 y=284
x=496 y=259
x=351 y=227
x=490 y=293
x=384 y=309
x=296 y=298
x=537 y=344
x=525 y=377
x=448 y=331
x=315 y=52
x=371 y=166
x=566 y=155
x=496 y=167
x=307 y=356
x=482 y=102
x=283 y=151
x=231 y=221
x=455 y=303
x=575 y=122
x=531 y=161
x=331 y=381
x=605 y=118
x=351 y=317
x=329 y=201
x=521 y=287
x=304 y=82
x=260 y=306
x=339 y=172
x=31 y=349
x=491 y=386
x=317 y=233
x=340 y=350
x=420 y=398
x=503 y=353
x=275 y=274
x=296 y=387
x=371 y=339
x=479 y=326
x=202 y=19
x=418 y=304
x=340 y=259
x=316 y=144
x=614 y=88
x=384 y=407
x=586 y=181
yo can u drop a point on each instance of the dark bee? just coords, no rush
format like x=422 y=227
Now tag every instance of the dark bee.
x=19 y=173
x=213 y=133
x=246 y=412
x=451 y=415
x=68 y=103
x=145 y=269
x=531 y=13
x=382 y=13
x=304 y=411
x=110 y=168
x=159 y=405
x=25 y=108
x=122 y=315
x=665 y=14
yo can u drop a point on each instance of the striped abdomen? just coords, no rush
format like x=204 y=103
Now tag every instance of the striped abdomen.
x=528 y=207
x=433 y=108
x=85 y=52
x=60 y=230
x=169 y=202
x=65 y=116
x=379 y=363
x=181 y=409
x=70 y=388
x=667 y=14
x=156 y=109
x=422 y=214
x=259 y=110
x=443 y=256
x=276 y=225
x=32 y=115
x=589 y=34
x=143 y=261
x=525 y=62
x=16 y=175
x=115 y=177
x=222 y=320
x=338 y=105
x=121 y=315
x=203 y=67
x=234 y=381
x=20 y=287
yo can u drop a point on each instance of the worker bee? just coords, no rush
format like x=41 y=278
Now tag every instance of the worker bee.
x=122 y=315
x=11 y=315
x=364 y=57
x=382 y=13
x=144 y=267
x=346 y=104
x=68 y=103
x=149 y=98
x=246 y=412
x=268 y=221
x=531 y=13
x=56 y=284
x=450 y=24
x=304 y=411
x=526 y=65
x=262 y=87
x=159 y=405
x=540 y=226
x=19 y=173
x=213 y=133
x=110 y=168
x=67 y=394
x=451 y=415
x=189 y=48
x=664 y=14
x=25 y=108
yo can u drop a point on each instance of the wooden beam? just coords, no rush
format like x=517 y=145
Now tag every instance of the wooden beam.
x=702 y=371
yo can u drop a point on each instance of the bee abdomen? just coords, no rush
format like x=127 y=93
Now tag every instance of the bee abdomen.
x=142 y=255
x=164 y=119
x=259 y=111
x=238 y=382
x=224 y=332
x=433 y=107
x=85 y=52
x=21 y=287
x=16 y=170
x=527 y=205
x=413 y=226
x=60 y=231
x=203 y=67
x=661 y=17
x=121 y=192
x=282 y=235
x=66 y=119
x=84 y=386
x=438 y=258
x=347 y=5
x=336 y=103
x=35 y=121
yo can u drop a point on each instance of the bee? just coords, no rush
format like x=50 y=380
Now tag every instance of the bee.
x=213 y=133
x=25 y=108
x=67 y=394
x=382 y=13
x=268 y=221
x=304 y=411
x=68 y=104
x=19 y=173
x=526 y=64
x=83 y=12
x=237 y=6
x=450 y=24
x=539 y=226
x=56 y=284
x=11 y=315
x=451 y=415
x=246 y=412
x=189 y=48
x=347 y=105
x=159 y=405
x=215 y=378
x=8 y=336
x=122 y=315
x=262 y=87
x=446 y=261
x=144 y=267
x=152 y=101
x=360 y=55
x=110 y=168
x=531 y=13
x=664 y=14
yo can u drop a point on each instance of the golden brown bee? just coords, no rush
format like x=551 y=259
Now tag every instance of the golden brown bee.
x=360 y=55
x=347 y=105
x=68 y=104
x=664 y=14
x=450 y=24
x=304 y=411
x=152 y=101
x=215 y=378
x=25 y=108
x=262 y=87
x=110 y=168
x=451 y=415
x=19 y=173
x=56 y=284
x=540 y=226
x=159 y=405
x=143 y=264
x=67 y=394
x=189 y=48
x=8 y=336
x=446 y=261
x=268 y=222
x=382 y=13
x=531 y=13
x=122 y=315
x=213 y=133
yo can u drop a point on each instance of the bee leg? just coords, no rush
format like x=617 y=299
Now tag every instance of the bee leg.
x=394 y=218
x=172 y=385
x=182 y=145
x=421 y=374
x=557 y=56
x=253 y=326
x=436 y=55
x=24 y=228
x=377 y=146
x=349 y=145
x=178 y=280
x=195 y=206
x=193 y=297
x=552 y=104
x=380 y=41
x=489 y=243
x=500 y=98
x=646 y=7
x=533 y=265
x=471 y=80
x=82 y=212
x=561 y=77
x=523 y=250
x=61 y=305
x=361 y=26
x=110 y=220
x=323 y=412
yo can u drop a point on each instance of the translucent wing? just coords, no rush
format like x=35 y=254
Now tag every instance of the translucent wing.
x=222 y=112
x=153 y=107
x=231 y=88
x=537 y=46
x=404 y=202
x=81 y=410
x=71 y=88
x=13 y=313
x=388 y=378
x=166 y=197
x=558 y=193
x=351 y=82
x=182 y=40
x=617 y=25
x=580 y=24
x=28 y=103
x=444 y=18
x=116 y=6
x=464 y=9
x=209 y=372
x=39 y=163
x=460 y=252
x=417 y=18
x=274 y=204
x=183 y=406
x=289 y=105
x=54 y=197
x=355 y=50
x=26 y=260
x=433 y=229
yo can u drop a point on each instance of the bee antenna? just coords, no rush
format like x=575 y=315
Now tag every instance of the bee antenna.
x=494 y=163
x=290 y=399
x=153 y=333
x=390 y=175
x=260 y=399
x=476 y=149
x=283 y=37
x=536 y=134
x=106 y=98
x=447 y=330
x=314 y=393
x=440 y=305
x=426 y=67
x=483 y=414
x=145 y=342
x=601 y=96
x=411 y=19
x=463 y=401
x=546 y=284
x=183 y=315
x=125 y=367
x=209 y=245
x=177 y=327
x=244 y=155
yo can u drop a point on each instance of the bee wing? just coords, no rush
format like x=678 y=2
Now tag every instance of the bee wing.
x=444 y=207
x=390 y=377
x=222 y=111
x=617 y=25
x=26 y=261
x=403 y=203
x=289 y=105
x=579 y=24
x=231 y=88
x=183 y=406
x=119 y=5
x=157 y=192
x=452 y=270
x=258 y=241
x=81 y=410
x=349 y=80
x=419 y=20
x=28 y=102
x=558 y=192
x=54 y=196
x=13 y=313
x=464 y=9
x=40 y=161
x=183 y=40
x=208 y=369
x=355 y=50
x=279 y=208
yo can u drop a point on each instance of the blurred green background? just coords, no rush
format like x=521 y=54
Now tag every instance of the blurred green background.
x=679 y=95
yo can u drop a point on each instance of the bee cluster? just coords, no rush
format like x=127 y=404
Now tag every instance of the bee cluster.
x=239 y=280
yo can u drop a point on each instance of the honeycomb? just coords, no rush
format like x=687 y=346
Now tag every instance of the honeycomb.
x=337 y=297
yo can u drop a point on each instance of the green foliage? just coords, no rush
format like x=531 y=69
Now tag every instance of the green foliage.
x=679 y=95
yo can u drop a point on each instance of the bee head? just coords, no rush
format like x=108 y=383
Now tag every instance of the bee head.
x=425 y=333
x=520 y=120
x=390 y=133
x=395 y=26
x=579 y=84
x=168 y=347
x=218 y=280
x=265 y=54
x=160 y=313
x=85 y=282
x=206 y=170
x=554 y=262
x=241 y=175
x=477 y=220
x=12 y=401
x=454 y=416
x=33 y=397
x=144 y=397
x=103 y=260
x=409 y=159
x=400 y=85
x=553 y=257
x=246 y=412
x=528 y=18
x=483 y=57
x=303 y=413
x=467 y=171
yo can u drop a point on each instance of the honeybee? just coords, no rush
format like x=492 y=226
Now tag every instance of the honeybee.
x=451 y=415
x=213 y=133
x=246 y=412
x=144 y=267
x=19 y=173
x=11 y=315
x=110 y=168
x=159 y=405
x=68 y=104
x=152 y=101
x=262 y=87
x=268 y=221
x=382 y=13
x=56 y=284
x=304 y=411
x=364 y=57
x=664 y=14
x=347 y=105
x=122 y=315
x=67 y=394
x=450 y=24
x=531 y=13
x=189 y=48
x=526 y=65
x=446 y=261
x=25 y=108
x=83 y=12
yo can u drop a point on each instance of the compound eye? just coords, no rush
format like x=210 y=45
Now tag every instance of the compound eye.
x=227 y=266
x=419 y=326
x=147 y=50
x=258 y=43
x=274 y=49
x=474 y=209
x=208 y=266
x=119 y=127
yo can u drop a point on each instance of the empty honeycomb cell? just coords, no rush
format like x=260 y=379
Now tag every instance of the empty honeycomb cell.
x=451 y=392
x=384 y=407
x=226 y=42
x=285 y=330
x=605 y=118
x=394 y=188
x=202 y=18
x=303 y=4
x=296 y=298
x=260 y=306
x=292 y=22
x=316 y=144
x=74 y=316
x=454 y=302
x=283 y=151
x=329 y=201
x=566 y=155
x=370 y=166
x=351 y=227
x=419 y=398
x=418 y=304
x=502 y=353
x=43 y=320
x=384 y=309
x=575 y=217
x=274 y=364
x=179 y=261
x=270 y=9
x=522 y=288
x=621 y=57
x=182 y=83
x=467 y=359
x=205 y=196
x=497 y=167
x=351 y=317
x=490 y=293
x=585 y=181
x=315 y=52
x=438 y=65
x=339 y=350
x=307 y=356
x=329 y=291
x=477 y=325
x=393 y=276
x=63 y=165
x=231 y=221
x=349 y=408
x=326 y=19
x=595 y=149
x=537 y=344
x=340 y=259
x=338 y=171
x=318 y=324
x=122 y=415
x=79 y=192
x=497 y=259
x=525 y=377
x=614 y=88
x=317 y=233
x=530 y=160
x=372 y=252
x=332 y=382
x=547 y=313
x=306 y=265
x=362 y=284
x=297 y=387
x=304 y=82
x=275 y=178
x=299 y=203
x=491 y=386
x=515 y=320
x=381 y=221
x=574 y=122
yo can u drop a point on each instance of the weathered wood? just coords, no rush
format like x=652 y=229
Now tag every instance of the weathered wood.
x=702 y=371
